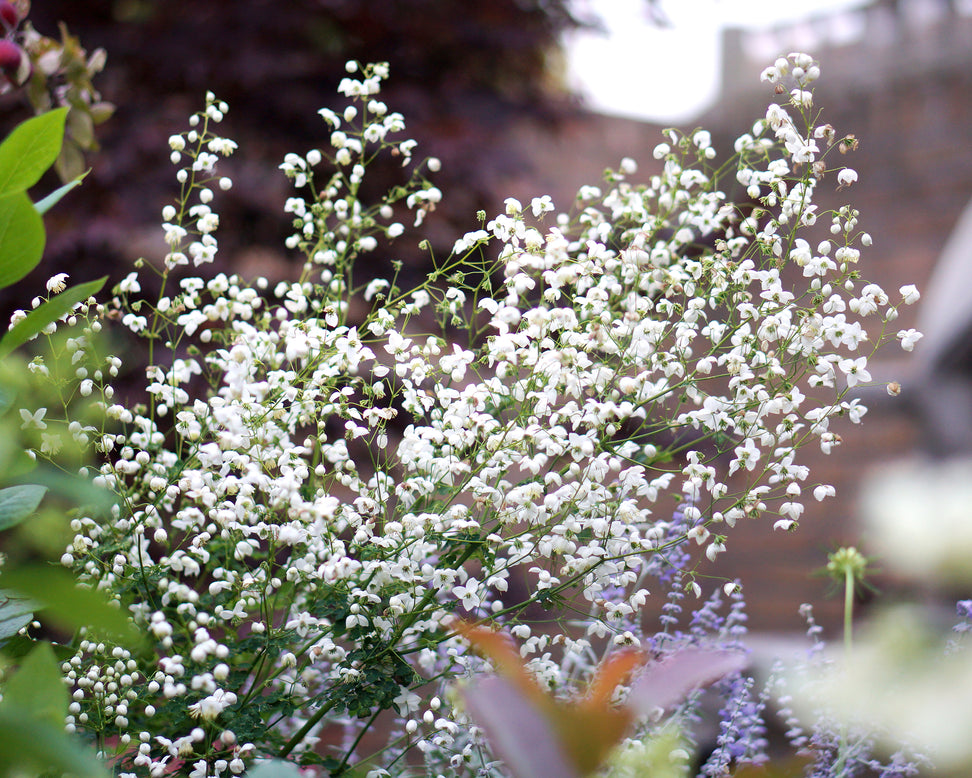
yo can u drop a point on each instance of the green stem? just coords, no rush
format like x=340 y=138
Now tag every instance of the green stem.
x=848 y=612
x=354 y=745
x=308 y=726
x=848 y=647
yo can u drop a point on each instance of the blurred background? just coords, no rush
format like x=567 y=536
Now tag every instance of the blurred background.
x=532 y=97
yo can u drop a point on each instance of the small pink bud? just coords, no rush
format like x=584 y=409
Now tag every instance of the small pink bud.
x=14 y=62
x=8 y=15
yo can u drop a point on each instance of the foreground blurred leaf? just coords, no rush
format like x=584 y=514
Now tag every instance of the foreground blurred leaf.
x=15 y=614
x=19 y=502
x=275 y=768
x=32 y=747
x=68 y=605
x=37 y=689
x=7 y=396
x=536 y=734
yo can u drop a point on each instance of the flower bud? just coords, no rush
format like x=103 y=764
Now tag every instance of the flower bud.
x=8 y=15
x=14 y=62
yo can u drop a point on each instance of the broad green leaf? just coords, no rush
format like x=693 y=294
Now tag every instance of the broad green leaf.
x=19 y=502
x=68 y=605
x=7 y=396
x=37 y=688
x=30 y=150
x=21 y=237
x=15 y=614
x=31 y=747
x=50 y=311
x=43 y=206
x=73 y=487
x=275 y=768
x=14 y=461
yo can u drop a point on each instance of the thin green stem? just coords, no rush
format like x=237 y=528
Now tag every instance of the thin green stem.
x=848 y=647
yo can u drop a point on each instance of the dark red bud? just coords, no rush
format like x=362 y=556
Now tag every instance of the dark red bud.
x=8 y=15
x=14 y=63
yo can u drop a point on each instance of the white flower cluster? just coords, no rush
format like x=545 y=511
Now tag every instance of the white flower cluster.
x=308 y=494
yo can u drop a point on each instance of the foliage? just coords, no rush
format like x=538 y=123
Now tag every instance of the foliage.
x=566 y=418
x=34 y=701
x=464 y=74
x=55 y=75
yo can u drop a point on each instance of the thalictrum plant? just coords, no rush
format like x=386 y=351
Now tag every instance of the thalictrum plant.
x=563 y=422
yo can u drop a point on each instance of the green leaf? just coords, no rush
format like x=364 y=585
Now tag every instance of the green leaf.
x=275 y=768
x=43 y=206
x=7 y=396
x=68 y=605
x=30 y=150
x=21 y=237
x=37 y=688
x=79 y=490
x=19 y=502
x=50 y=311
x=14 y=461
x=70 y=162
x=31 y=747
x=15 y=614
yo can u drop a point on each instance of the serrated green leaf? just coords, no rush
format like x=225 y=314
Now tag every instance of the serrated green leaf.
x=30 y=747
x=37 y=688
x=44 y=205
x=30 y=150
x=19 y=502
x=15 y=614
x=50 y=311
x=68 y=605
x=21 y=237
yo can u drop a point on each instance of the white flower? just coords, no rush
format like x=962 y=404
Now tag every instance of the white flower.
x=771 y=75
x=746 y=455
x=468 y=594
x=209 y=708
x=222 y=146
x=50 y=443
x=909 y=338
x=541 y=205
x=855 y=370
x=823 y=491
x=909 y=294
x=918 y=516
x=55 y=284
x=846 y=177
x=34 y=420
